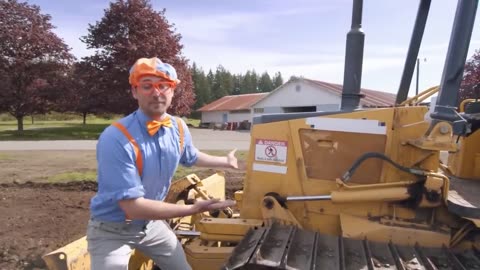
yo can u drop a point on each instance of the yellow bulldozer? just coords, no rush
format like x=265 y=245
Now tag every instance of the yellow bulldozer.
x=382 y=188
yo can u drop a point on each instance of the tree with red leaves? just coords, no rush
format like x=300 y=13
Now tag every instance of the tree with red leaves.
x=33 y=60
x=132 y=29
x=471 y=79
x=83 y=89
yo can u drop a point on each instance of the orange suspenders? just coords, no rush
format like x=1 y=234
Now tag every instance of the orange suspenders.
x=180 y=131
x=136 y=148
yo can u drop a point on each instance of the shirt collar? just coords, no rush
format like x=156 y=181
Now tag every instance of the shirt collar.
x=143 y=118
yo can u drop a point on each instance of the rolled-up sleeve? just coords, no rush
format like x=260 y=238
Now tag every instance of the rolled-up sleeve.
x=190 y=153
x=118 y=178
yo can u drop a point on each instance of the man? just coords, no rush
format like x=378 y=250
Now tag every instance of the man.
x=137 y=158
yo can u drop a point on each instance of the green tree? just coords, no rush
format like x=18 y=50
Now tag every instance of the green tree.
x=223 y=83
x=201 y=86
x=277 y=80
x=265 y=83
x=237 y=84
x=211 y=82
x=250 y=82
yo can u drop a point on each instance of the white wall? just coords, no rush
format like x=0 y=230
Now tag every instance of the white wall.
x=212 y=117
x=328 y=107
x=217 y=117
x=291 y=96
x=239 y=117
x=267 y=110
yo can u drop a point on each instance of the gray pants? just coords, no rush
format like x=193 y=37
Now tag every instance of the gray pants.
x=110 y=245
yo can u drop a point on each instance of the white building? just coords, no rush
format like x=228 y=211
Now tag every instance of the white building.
x=297 y=95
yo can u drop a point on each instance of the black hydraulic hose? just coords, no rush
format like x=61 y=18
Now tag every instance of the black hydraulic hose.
x=347 y=175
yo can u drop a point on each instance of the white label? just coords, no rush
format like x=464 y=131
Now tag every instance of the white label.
x=269 y=168
x=271 y=151
x=347 y=125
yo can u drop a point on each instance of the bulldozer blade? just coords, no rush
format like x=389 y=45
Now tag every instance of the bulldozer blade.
x=75 y=256
x=72 y=256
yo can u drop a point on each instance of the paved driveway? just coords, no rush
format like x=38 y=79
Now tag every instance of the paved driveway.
x=204 y=139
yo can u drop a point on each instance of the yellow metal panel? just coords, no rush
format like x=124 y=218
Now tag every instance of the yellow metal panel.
x=384 y=194
x=238 y=196
x=359 y=228
x=231 y=226
x=73 y=256
x=257 y=183
x=203 y=257
x=321 y=222
x=337 y=151
x=272 y=211
x=408 y=124
x=465 y=163
x=402 y=124
x=231 y=238
x=215 y=185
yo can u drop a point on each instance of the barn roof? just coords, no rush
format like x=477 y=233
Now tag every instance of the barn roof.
x=372 y=98
x=233 y=103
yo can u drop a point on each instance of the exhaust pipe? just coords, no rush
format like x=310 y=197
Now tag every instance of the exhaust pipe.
x=353 y=60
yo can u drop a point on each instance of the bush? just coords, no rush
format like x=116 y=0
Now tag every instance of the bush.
x=195 y=115
x=55 y=116
x=6 y=117
x=108 y=116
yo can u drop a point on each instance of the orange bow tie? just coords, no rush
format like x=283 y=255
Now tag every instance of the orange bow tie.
x=154 y=126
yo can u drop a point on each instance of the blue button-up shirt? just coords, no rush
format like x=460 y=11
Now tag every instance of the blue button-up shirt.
x=118 y=178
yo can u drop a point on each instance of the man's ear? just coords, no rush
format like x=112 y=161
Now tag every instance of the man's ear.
x=173 y=89
x=134 y=92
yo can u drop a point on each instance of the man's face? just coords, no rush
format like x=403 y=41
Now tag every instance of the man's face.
x=154 y=95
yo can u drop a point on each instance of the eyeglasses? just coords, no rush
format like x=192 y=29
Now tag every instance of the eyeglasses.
x=162 y=86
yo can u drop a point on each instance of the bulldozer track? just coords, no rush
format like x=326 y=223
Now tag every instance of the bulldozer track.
x=288 y=247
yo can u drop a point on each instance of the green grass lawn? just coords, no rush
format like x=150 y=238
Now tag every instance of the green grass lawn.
x=55 y=131
x=193 y=122
x=73 y=176
x=59 y=129
x=53 y=126
x=4 y=156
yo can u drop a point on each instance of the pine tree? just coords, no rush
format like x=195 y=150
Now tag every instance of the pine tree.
x=265 y=83
x=200 y=86
x=277 y=80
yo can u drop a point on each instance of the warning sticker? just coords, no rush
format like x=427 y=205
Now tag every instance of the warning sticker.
x=270 y=150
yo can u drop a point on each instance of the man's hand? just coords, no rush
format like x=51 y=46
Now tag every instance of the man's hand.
x=229 y=161
x=214 y=204
x=233 y=162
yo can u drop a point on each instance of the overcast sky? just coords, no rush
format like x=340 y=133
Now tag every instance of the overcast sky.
x=302 y=37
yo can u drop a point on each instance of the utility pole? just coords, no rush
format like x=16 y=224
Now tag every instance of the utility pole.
x=418 y=73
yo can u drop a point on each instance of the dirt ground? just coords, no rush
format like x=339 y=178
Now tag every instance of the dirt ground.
x=37 y=217
x=24 y=166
